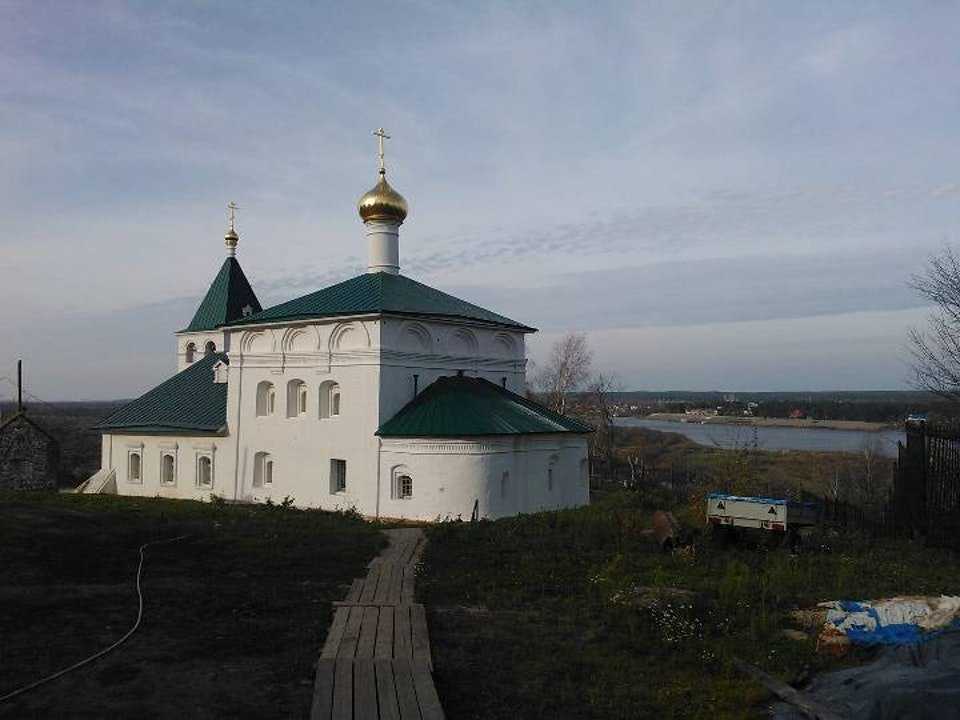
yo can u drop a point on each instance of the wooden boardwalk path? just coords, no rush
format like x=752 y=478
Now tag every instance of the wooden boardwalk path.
x=376 y=664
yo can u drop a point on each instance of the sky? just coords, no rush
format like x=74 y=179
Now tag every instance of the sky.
x=726 y=196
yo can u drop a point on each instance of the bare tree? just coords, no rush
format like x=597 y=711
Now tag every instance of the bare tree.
x=936 y=350
x=599 y=411
x=565 y=371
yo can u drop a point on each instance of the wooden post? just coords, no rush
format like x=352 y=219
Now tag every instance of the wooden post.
x=19 y=386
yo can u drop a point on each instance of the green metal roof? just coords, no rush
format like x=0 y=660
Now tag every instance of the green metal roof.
x=226 y=299
x=189 y=401
x=462 y=406
x=378 y=293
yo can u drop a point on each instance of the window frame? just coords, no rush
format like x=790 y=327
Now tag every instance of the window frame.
x=404 y=494
x=338 y=476
x=138 y=453
x=262 y=469
x=296 y=398
x=172 y=454
x=265 y=400
x=199 y=475
x=330 y=400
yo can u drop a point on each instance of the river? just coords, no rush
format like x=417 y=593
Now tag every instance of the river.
x=775 y=438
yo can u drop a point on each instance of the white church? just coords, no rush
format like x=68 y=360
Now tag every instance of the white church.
x=378 y=393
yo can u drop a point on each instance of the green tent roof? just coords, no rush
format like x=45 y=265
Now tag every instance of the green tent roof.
x=462 y=406
x=228 y=296
x=378 y=293
x=189 y=401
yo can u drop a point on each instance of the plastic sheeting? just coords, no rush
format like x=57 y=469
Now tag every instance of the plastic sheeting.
x=892 y=621
x=903 y=683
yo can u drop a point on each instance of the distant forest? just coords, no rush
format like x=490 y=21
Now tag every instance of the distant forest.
x=888 y=406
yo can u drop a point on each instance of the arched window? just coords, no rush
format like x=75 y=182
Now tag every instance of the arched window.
x=168 y=469
x=296 y=398
x=505 y=484
x=134 y=473
x=329 y=399
x=204 y=471
x=266 y=398
x=262 y=469
x=210 y=348
x=190 y=353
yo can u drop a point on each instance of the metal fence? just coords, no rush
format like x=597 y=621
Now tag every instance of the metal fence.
x=926 y=491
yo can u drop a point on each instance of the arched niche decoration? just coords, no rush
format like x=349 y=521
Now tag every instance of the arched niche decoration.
x=300 y=339
x=415 y=337
x=504 y=345
x=463 y=342
x=349 y=336
x=257 y=342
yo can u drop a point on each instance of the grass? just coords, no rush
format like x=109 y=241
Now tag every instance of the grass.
x=234 y=615
x=575 y=614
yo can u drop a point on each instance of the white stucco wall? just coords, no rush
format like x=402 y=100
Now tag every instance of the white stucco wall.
x=450 y=477
x=373 y=360
x=186 y=451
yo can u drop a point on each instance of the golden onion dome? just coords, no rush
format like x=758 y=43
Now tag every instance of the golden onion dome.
x=382 y=203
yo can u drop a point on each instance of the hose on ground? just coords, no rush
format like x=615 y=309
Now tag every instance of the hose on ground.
x=118 y=643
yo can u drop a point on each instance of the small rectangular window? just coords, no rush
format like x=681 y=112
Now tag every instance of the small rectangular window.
x=262 y=469
x=338 y=476
x=504 y=484
x=550 y=479
x=405 y=487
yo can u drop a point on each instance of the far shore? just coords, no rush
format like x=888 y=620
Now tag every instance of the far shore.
x=774 y=422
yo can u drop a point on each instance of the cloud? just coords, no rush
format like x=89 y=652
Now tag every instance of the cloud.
x=556 y=157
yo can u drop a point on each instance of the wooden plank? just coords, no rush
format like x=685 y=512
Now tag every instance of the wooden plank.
x=322 y=706
x=354 y=594
x=335 y=633
x=406 y=693
x=386 y=690
x=351 y=634
x=384 y=645
x=343 y=690
x=807 y=705
x=370 y=584
x=368 y=632
x=406 y=592
x=364 y=691
x=383 y=587
x=427 y=698
x=402 y=648
x=421 y=639
x=396 y=585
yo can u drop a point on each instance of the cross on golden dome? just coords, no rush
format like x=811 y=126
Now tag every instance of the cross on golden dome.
x=381 y=136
